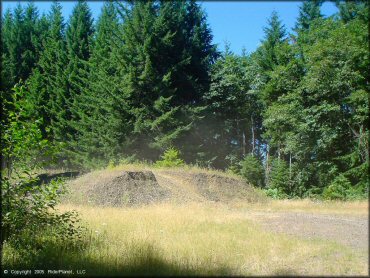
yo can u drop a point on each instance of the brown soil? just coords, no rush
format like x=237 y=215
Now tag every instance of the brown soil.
x=131 y=188
x=213 y=187
x=120 y=188
x=134 y=188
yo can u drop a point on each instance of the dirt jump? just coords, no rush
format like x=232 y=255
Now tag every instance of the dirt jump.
x=120 y=188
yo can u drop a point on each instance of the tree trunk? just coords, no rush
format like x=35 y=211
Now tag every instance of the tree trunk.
x=3 y=163
x=253 y=137
x=244 y=144
x=267 y=170
x=290 y=166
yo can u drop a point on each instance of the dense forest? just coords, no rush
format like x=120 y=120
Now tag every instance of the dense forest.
x=291 y=117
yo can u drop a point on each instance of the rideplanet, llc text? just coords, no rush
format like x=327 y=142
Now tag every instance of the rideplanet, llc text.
x=25 y=272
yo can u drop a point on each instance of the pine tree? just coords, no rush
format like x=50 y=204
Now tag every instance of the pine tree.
x=275 y=34
x=102 y=126
x=349 y=10
x=6 y=68
x=21 y=36
x=20 y=45
x=42 y=30
x=48 y=81
x=229 y=110
x=279 y=176
x=78 y=45
x=252 y=170
x=165 y=61
x=31 y=40
x=309 y=11
x=15 y=46
x=266 y=59
x=264 y=62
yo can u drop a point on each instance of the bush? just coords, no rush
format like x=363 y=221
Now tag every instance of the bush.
x=111 y=164
x=279 y=176
x=275 y=193
x=170 y=158
x=341 y=189
x=252 y=170
x=357 y=193
x=314 y=193
x=234 y=164
x=28 y=207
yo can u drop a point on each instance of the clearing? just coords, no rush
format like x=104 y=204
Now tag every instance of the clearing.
x=196 y=222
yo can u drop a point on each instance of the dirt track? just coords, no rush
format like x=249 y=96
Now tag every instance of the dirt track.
x=183 y=186
x=352 y=231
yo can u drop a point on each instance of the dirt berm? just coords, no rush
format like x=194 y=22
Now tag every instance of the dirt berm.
x=135 y=188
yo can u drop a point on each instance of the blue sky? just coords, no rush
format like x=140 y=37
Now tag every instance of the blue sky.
x=238 y=22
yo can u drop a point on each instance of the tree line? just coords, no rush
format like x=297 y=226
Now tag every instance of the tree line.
x=292 y=116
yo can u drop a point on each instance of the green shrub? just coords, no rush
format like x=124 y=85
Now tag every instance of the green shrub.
x=111 y=164
x=275 y=193
x=28 y=207
x=234 y=164
x=128 y=160
x=313 y=193
x=252 y=170
x=279 y=176
x=170 y=158
x=337 y=190
x=357 y=193
x=341 y=189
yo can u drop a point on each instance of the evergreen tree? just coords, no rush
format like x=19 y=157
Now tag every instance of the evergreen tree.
x=21 y=32
x=279 y=176
x=31 y=40
x=20 y=44
x=230 y=109
x=280 y=118
x=79 y=33
x=165 y=61
x=102 y=126
x=266 y=59
x=78 y=45
x=42 y=30
x=6 y=68
x=275 y=34
x=48 y=82
x=264 y=62
x=349 y=10
x=252 y=170
x=152 y=80
x=309 y=11
x=15 y=46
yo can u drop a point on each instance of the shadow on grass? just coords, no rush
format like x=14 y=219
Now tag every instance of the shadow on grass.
x=285 y=272
x=47 y=178
x=139 y=260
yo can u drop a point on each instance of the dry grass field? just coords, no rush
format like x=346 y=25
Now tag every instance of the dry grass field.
x=200 y=228
x=211 y=239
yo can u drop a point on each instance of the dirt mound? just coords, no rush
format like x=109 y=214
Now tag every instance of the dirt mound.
x=218 y=188
x=123 y=188
x=134 y=188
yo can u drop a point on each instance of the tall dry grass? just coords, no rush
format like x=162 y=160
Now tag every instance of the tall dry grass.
x=193 y=238
x=198 y=239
